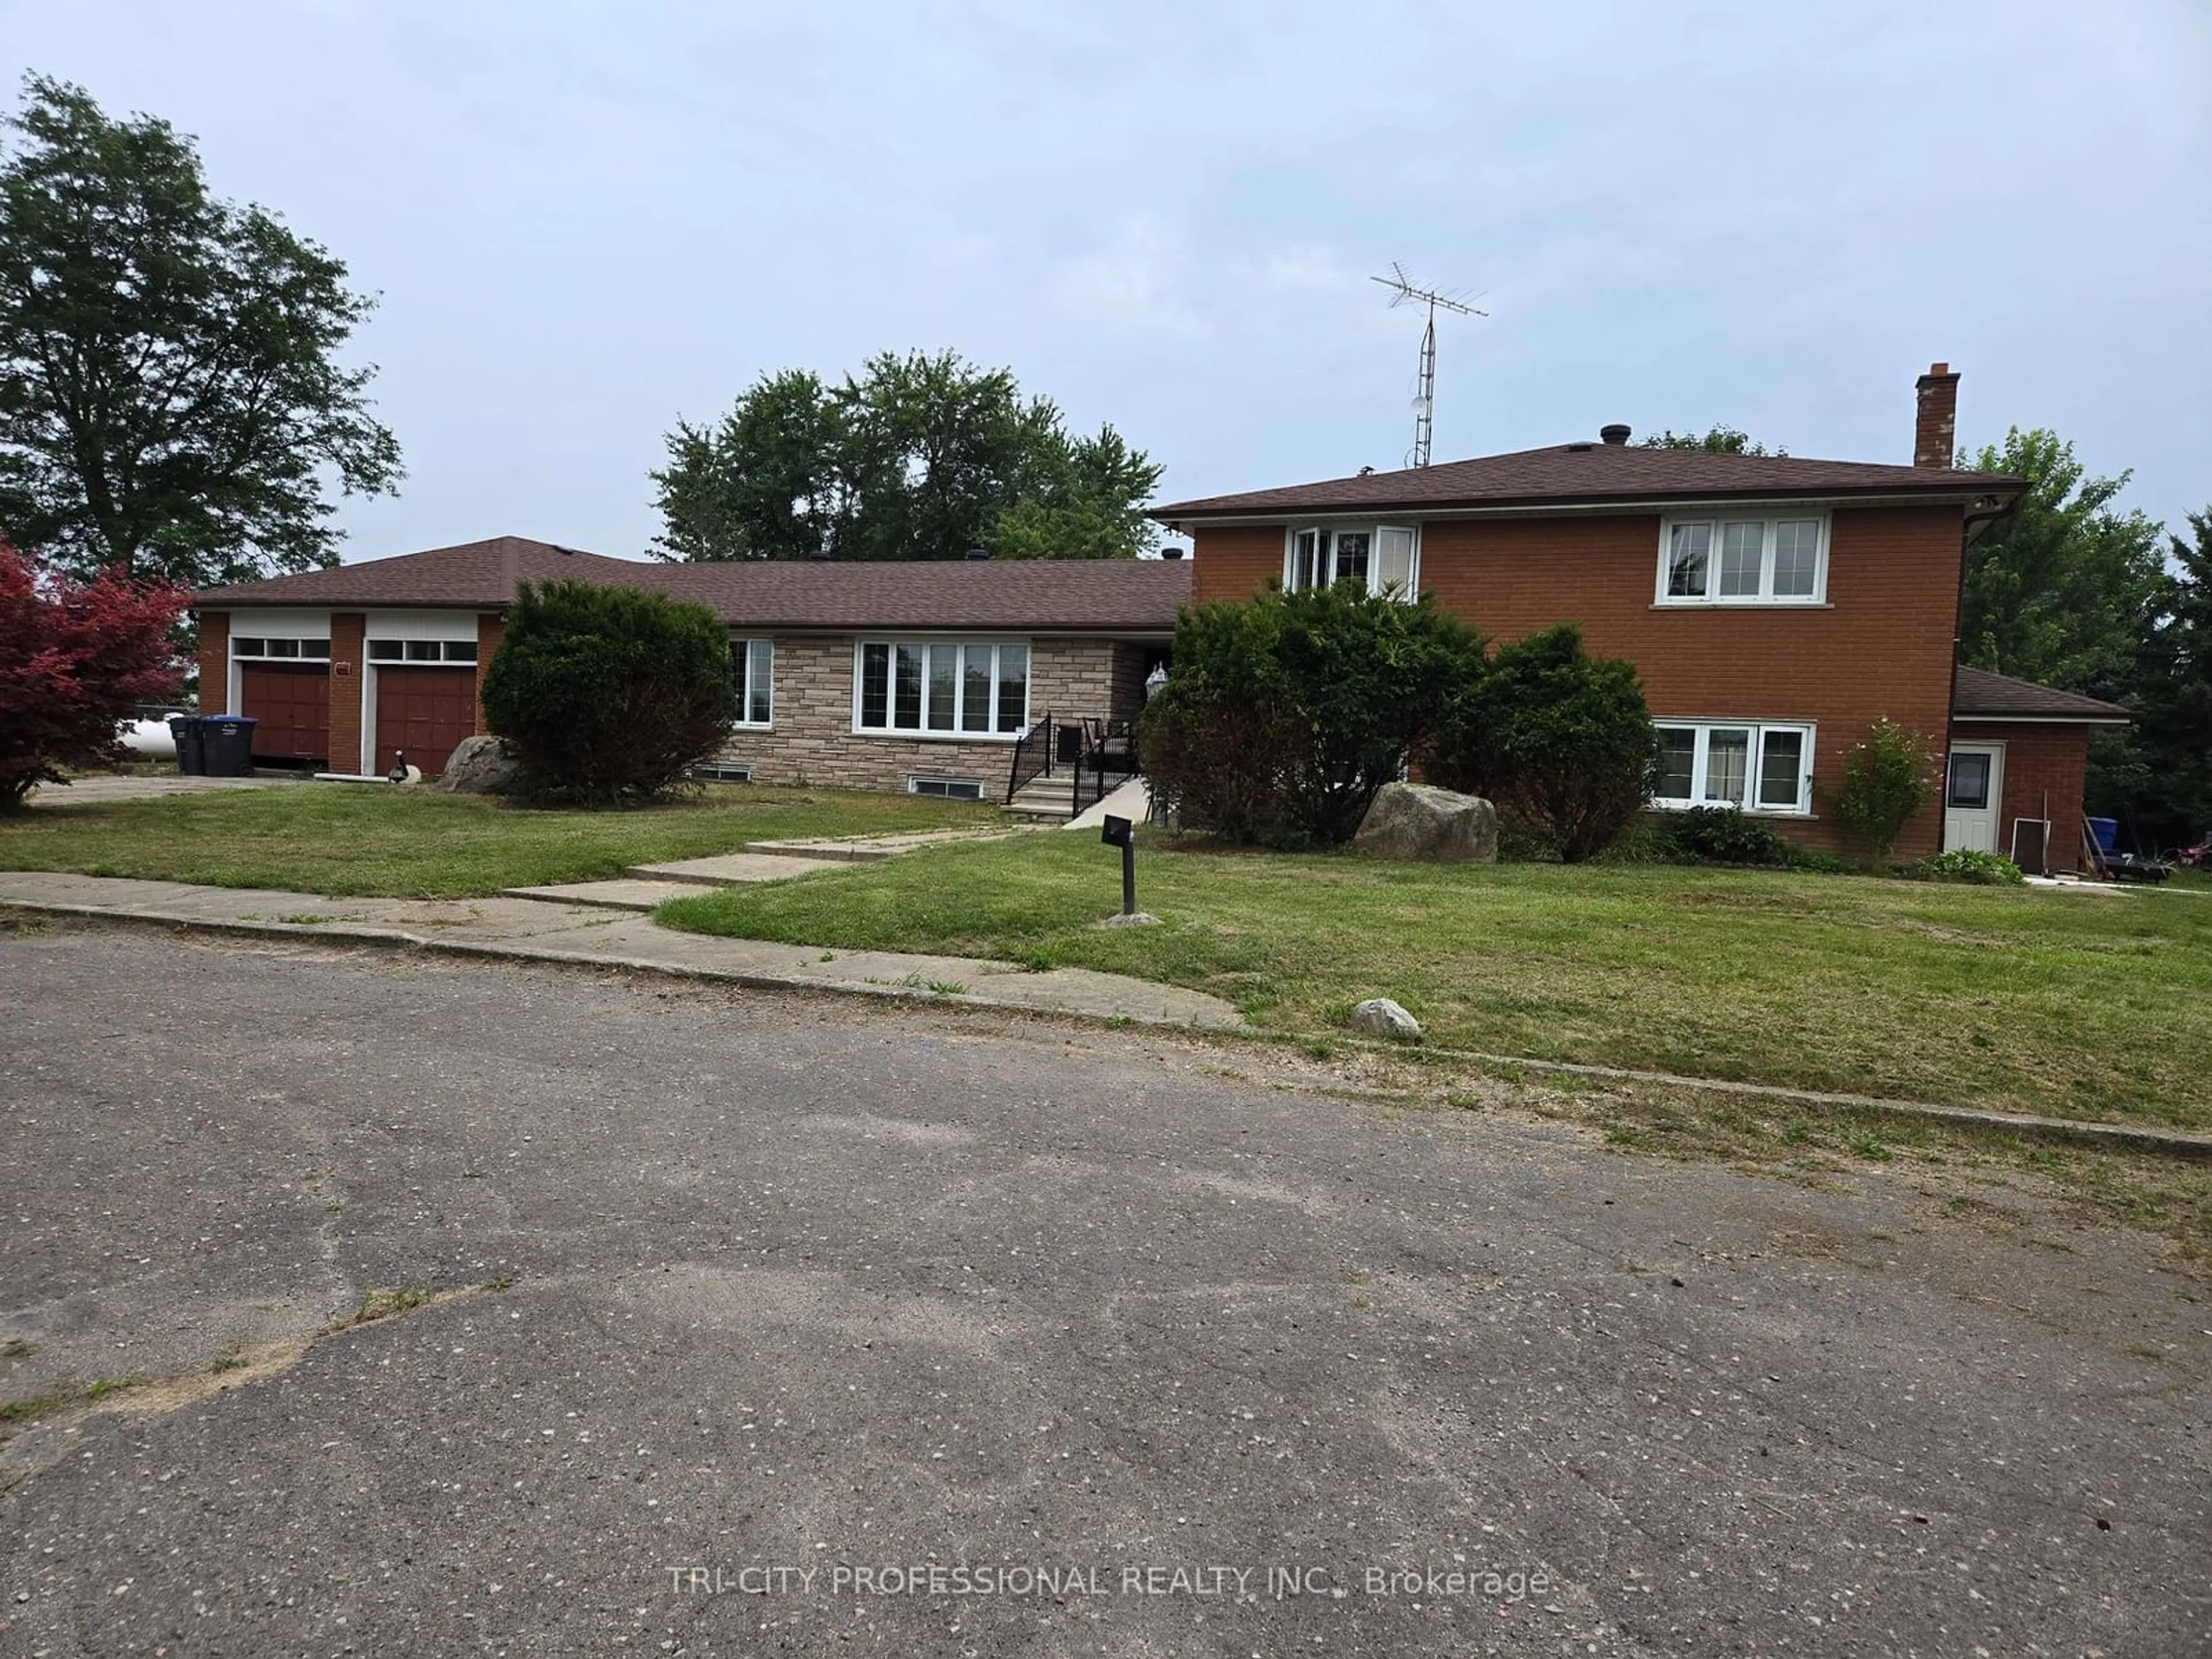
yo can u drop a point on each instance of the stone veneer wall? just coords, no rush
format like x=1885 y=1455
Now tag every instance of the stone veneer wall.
x=812 y=740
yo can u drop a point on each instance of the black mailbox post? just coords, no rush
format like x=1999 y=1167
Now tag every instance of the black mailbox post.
x=1117 y=832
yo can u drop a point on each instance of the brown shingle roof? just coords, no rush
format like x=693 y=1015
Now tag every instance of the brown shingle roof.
x=1977 y=694
x=1580 y=474
x=1071 y=595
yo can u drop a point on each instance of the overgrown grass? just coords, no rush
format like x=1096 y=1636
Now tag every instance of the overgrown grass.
x=359 y=840
x=2081 y=1005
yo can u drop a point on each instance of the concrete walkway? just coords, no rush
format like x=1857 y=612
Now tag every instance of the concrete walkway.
x=600 y=933
x=126 y=786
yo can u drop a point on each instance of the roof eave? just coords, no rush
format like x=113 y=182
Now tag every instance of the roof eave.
x=1551 y=505
x=1977 y=718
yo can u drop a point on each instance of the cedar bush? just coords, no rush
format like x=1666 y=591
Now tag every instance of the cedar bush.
x=1888 y=775
x=74 y=659
x=1560 y=740
x=609 y=696
x=1285 y=714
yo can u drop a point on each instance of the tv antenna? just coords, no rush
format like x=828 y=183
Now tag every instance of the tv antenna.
x=1405 y=291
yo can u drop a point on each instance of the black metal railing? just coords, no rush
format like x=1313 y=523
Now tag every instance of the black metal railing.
x=1032 y=757
x=1108 y=746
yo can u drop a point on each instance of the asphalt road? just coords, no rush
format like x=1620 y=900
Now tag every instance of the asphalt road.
x=835 y=1329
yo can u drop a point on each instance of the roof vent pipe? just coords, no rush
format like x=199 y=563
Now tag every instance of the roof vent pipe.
x=1171 y=552
x=1615 y=434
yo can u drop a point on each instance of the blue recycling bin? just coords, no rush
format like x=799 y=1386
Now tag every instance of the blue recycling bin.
x=2108 y=832
x=227 y=741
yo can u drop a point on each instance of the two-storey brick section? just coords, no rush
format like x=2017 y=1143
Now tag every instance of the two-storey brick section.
x=1775 y=607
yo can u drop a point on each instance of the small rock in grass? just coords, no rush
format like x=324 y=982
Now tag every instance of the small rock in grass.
x=1138 y=918
x=1380 y=1017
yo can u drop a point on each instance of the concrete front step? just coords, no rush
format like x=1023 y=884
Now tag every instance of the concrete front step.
x=730 y=869
x=633 y=894
x=1055 y=796
x=860 y=848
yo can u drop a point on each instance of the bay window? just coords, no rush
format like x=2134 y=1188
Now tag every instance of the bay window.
x=1380 y=558
x=941 y=688
x=1758 y=766
x=1744 y=561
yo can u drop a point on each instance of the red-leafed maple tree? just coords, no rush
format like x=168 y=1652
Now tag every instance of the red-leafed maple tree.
x=74 y=656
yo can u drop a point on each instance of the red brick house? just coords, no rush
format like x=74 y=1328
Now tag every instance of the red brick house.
x=1774 y=607
x=917 y=676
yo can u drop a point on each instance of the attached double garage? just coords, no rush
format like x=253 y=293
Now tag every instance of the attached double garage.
x=351 y=691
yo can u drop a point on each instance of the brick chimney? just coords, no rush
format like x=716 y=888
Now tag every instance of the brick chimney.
x=1936 y=428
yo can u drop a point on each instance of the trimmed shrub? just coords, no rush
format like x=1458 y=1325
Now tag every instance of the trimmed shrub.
x=608 y=695
x=1555 y=737
x=1888 y=775
x=1964 y=863
x=1286 y=713
x=1726 y=835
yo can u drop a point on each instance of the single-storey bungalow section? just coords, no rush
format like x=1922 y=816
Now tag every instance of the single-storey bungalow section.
x=921 y=677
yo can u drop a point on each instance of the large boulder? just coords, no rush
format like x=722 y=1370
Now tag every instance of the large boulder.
x=1381 y=1017
x=482 y=765
x=1424 y=825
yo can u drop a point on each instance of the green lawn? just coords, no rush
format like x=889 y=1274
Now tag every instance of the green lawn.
x=2077 y=1004
x=345 y=839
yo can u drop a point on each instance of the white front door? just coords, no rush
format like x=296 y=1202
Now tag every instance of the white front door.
x=1972 y=797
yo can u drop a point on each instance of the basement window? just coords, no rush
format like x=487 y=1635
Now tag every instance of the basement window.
x=723 y=772
x=948 y=788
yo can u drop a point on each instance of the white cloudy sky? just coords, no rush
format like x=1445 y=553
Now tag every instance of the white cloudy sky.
x=585 y=220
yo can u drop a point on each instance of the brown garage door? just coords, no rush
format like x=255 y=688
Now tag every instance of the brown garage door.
x=292 y=703
x=424 y=711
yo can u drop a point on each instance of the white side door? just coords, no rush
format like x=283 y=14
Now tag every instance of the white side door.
x=1973 y=793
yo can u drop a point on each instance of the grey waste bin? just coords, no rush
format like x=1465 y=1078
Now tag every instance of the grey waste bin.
x=192 y=756
x=227 y=742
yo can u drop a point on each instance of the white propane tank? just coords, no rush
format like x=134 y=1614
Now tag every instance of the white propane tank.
x=149 y=739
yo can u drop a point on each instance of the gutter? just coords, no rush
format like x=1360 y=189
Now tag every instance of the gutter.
x=1176 y=517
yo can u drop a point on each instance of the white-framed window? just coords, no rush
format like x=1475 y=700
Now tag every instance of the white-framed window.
x=1744 y=559
x=978 y=690
x=1761 y=766
x=752 y=672
x=253 y=647
x=1383 y=558
x=421 y=651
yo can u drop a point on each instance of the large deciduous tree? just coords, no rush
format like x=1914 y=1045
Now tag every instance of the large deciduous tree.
x=1716 y=439
x=2064 y=591
x=74 y=659
x=2061 y=590
x=921 y=457
x=170 y=403
x=2173 y=782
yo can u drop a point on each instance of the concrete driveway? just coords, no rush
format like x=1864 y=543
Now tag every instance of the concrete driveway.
x=835 y=1329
